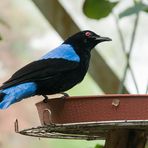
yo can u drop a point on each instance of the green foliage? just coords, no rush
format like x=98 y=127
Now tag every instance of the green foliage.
x=62 y=143
x=98 y=9
x=139 y=6
x=98 y=146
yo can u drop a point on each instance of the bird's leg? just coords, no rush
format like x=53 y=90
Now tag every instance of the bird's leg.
x=45 y=99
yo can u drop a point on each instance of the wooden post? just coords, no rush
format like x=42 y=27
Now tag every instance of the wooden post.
x=125 y=138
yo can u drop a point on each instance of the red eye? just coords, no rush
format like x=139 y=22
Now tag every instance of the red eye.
x=88 y=34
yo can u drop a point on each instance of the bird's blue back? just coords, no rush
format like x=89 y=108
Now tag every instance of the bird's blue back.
x=64 y=51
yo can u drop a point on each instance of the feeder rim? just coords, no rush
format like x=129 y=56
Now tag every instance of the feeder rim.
x=107 y=96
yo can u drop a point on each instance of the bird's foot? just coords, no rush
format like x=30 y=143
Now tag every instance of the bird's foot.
x=64 y=95
x=45 y=99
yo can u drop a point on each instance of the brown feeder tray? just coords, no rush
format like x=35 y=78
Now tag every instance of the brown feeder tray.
x=90 y=117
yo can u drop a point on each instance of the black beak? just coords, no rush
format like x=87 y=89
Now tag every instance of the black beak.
x=102 y=39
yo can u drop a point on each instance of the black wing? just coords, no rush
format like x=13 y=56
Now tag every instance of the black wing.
x=39 y=70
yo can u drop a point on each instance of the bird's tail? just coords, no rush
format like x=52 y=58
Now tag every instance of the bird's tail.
x=5 y=100
x=3 y=103
x=16 y=93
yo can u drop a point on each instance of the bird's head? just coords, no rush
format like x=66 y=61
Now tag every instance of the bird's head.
x=85 y=40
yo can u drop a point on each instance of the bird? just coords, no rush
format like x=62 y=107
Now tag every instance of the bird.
x=55 y=72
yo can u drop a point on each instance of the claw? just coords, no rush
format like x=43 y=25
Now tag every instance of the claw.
x=65 y=94
x=45 y=99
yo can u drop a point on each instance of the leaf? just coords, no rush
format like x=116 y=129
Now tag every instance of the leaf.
x=146 y=9
x=97 y=9
x=134 y=9
x=99 y=146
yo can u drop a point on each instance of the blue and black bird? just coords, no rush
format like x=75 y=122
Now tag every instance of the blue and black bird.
x=55 y=72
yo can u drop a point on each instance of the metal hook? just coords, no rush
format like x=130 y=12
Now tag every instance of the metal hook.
x=16 y=126
x=47 y=112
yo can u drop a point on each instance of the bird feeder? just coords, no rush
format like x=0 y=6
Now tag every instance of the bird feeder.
x=109 y=117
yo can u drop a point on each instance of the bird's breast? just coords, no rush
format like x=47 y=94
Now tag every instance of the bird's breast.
x=84 y=62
